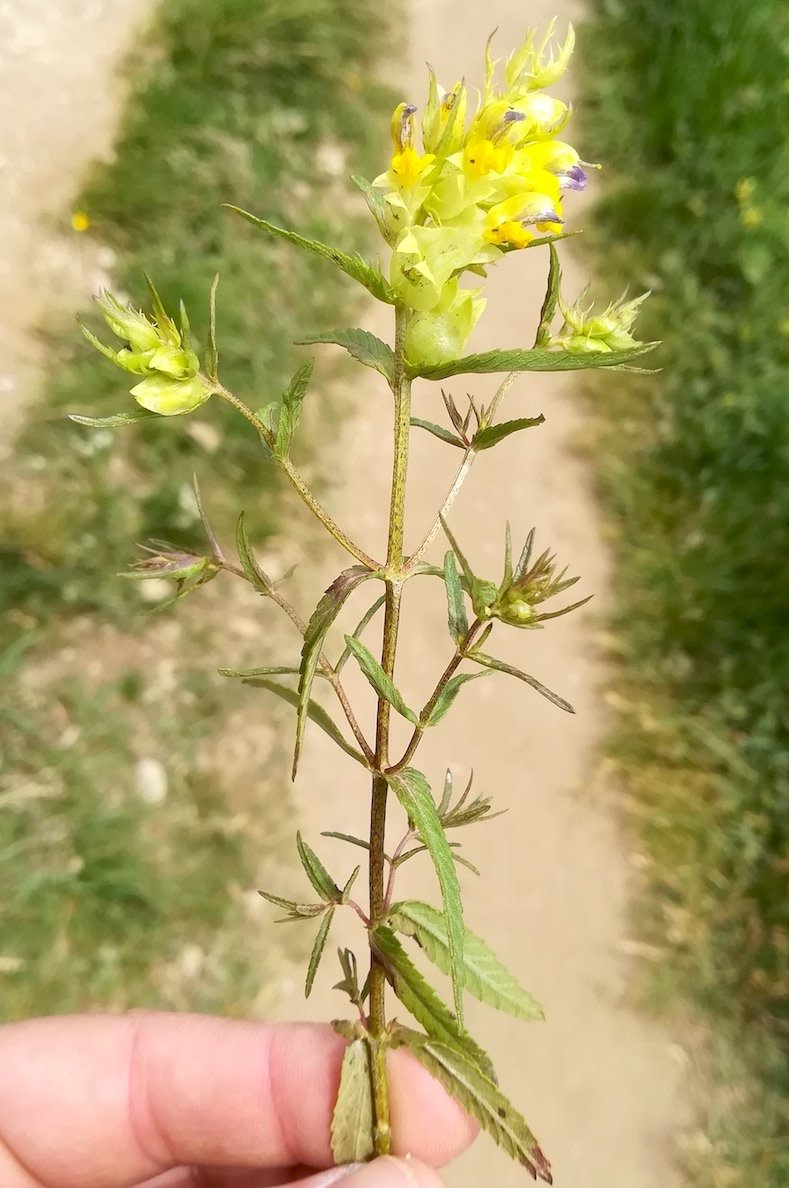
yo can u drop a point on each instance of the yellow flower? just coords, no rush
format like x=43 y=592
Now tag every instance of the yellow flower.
x=408 y=166
x=515 y=222
x=80 y=220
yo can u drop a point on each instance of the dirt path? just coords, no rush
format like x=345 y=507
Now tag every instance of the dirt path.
x=58 y=105
x=600 y=1085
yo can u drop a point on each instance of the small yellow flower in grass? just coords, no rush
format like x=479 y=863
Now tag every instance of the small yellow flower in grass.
x=80 y=220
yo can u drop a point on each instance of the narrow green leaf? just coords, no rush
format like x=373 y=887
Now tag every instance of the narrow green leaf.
x=500 y=666
x=159 y=312
x=486 y=978
x=316 y=713
x=115 y=421
x=375 y=199
x=456 y=607
x=438 y=431
x=316 y=872
x=362 y=345
x=551 y=298
x=290 y=409
x=353 y=266
x=296 y=911
x=381 y=683
x=353 y=1121
x=249 y=675
x=212 y=356
x=347 y=837
x=464 y=565
x=524 y=558
x=321 y=620
x=538 y=359
x=491 y=435
x=419 y=997
x=413 y=791
x=247 y=558
x=448 y=694
x=357 y=632
x=469 y=1085
x=345 y=894
x=317 y=951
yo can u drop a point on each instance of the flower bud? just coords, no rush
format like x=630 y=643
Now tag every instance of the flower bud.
x=440 y=334
x=532 y=67
x=586 y=333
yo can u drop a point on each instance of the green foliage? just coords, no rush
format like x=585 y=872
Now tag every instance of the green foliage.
x=491 y=435
x=456 y=607
x=315 y=713
x=537 y=359
x=317 y=950
x=446 y=697
x=353 y=1120
x=485 y=977
x=413 y=791
x=380 y=682
x=290 y=409
x=361 y=345
x=693 y=474
x=317 y=873
x=551 y=300
x=500 y=666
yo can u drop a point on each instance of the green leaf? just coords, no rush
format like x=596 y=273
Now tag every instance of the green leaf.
x=347 y=837
x=345 y=894
x=551 y=298
x=247 y=558
x=381 y=683
x=464 y=565
x=362 y=345
x=538 y=359
x=316 y=713
x=456 y=607
x=419 y=997
x=296 y=911
x=115 y=421
x=290 y=409
x=321 y=620
x=360 y=627
x=353 y=1121
x=212 y=357
x=413 y=791
x=317 y=951
x=249 y=675
x=438 y=431
x=317 y=873
x=491 y=435
x=353 y=266
x=375 y=199
x=486 y=978
x=448 y=694
x=500 y=666
x=480 y=1097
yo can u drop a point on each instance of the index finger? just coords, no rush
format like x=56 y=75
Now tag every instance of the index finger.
x=107 y=1101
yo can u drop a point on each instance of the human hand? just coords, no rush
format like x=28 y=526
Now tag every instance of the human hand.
x=152 y=1100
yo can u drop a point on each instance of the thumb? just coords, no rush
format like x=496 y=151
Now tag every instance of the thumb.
x=386 y=1172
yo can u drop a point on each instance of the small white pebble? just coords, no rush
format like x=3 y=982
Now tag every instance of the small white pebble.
x=150 y=781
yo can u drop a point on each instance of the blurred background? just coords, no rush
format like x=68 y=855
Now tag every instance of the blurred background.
x=143 y=798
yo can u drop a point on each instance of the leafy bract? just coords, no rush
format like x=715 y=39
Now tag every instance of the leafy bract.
x=317 y=873
x=537 y=359
x=413 y=791
x=249 y=564
x=353 y=1121
x=321 y=620
x=290 y=409
x=485 y=976
x=354 y=266
x=456 y=607
x=381 y=683
x=317 y=950
x=510 y=670
x=551 y=298
x=362 y=345
x=469 y=1085
x=491 y=435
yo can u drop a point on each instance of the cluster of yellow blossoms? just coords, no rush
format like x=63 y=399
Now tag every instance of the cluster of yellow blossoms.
x=473 y=193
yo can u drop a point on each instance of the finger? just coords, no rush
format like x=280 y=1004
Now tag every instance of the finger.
x=108 y=1102
x=382 y=1173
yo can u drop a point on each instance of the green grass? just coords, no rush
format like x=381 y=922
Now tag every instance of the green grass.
x=247 y=101
x=689 y=105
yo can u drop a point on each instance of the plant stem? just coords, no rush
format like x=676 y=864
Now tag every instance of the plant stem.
x=401 y=390
x=297 y=481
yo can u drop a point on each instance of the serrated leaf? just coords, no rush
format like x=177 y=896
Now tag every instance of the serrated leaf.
x=362 y=345
x=438 y=431
x=353 y=1121
x=345 y=894
x=381 y=683
x=537 y=359
x=413 y=791
x=317 y=951
x=551 y=298
x=290 y=409
x=480 y=1097
x=353 y=266
x=456 y=607
x=419 y=997
x=543 y=690
x=316 y=713
x=448 y=694
x=316 y=872
x=115 y=421
x=485 y=439
x=247 y=558
x=486 y=978
x=296 y=911
x=360 y=627
x=321 y=620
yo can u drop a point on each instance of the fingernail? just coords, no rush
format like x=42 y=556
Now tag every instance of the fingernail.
x=334 y=1175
